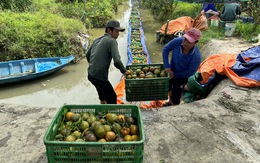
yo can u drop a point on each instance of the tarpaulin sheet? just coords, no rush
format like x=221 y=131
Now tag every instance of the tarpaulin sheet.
x=243 y=68
x=179 y=24
x=184 y=23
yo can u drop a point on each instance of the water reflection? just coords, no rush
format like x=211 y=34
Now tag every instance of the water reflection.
x=53 y=91
x=150 y=26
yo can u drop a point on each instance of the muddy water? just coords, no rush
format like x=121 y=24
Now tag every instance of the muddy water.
x=70 y=85
x=150 y=26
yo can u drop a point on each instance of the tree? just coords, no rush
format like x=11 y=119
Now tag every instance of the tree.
x=15 y=5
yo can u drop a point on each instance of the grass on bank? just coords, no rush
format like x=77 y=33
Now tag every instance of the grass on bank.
x=48 y=28
x=211 y=32
x=244 y=31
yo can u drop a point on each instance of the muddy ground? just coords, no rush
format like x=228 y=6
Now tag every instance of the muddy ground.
x=209 y=130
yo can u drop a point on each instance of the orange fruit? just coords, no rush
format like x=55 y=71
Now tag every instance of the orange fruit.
x=135 y=137
x=84 y=125
x=69 y=115
x=102 y=140
x=121 y=118
x=107 y=128
x=128 y=138
x=133 y=129
x=75 y=117
x=128 y=72
x=100 y=131
x=70 y=138
x=110 y=136
x=76 y=134
x=111 y=117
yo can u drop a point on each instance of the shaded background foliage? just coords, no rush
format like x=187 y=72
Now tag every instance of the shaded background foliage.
x=42 y=34
x=48 y=28
x=169 y=9
x=45 y=28
x=166 y=9
x=15 y=5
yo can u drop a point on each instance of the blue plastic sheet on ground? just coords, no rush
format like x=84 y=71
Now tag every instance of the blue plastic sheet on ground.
x=248 y=64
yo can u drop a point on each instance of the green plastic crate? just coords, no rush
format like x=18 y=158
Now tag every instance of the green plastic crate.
x=96 y=152
x=147 y=89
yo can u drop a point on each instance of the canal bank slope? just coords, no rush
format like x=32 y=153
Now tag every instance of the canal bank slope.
x=203 y=131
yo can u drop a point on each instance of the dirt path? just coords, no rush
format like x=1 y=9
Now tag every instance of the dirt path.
x=202 y=131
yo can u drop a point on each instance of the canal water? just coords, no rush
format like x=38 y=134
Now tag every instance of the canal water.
x=70 y=85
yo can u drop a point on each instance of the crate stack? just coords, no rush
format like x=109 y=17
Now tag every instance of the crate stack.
x=137 y=52
x=152 y=86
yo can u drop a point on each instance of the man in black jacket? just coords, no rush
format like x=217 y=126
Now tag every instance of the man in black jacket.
x=99 y=56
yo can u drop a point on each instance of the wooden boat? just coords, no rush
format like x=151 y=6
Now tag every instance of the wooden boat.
x=27 y=69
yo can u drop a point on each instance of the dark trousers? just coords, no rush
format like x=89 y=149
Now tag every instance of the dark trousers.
x=105 y=90
x=176 y=85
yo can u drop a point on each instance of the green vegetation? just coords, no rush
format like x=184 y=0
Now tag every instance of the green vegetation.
x=185 y=9
x=211 y=32
x=49 y=28
x=161 y=10
x=17 y=5
x=168 y=9
x=43 y=34
x=103 y=10
x=247 y=31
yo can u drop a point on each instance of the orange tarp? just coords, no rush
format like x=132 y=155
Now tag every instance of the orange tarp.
x=201 y=21
x=179 y=24
x=184 y=23
x=214 y=63
x=222 y=63
x=120 y=91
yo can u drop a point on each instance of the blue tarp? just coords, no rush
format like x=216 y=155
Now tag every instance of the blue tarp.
x=249 y=69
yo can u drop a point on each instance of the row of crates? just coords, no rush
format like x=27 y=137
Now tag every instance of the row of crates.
x=137 y=53
x=142 y=89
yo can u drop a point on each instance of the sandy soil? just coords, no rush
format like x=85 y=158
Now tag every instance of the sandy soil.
x=209 y=130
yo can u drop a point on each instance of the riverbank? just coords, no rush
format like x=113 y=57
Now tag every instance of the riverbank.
x=202 y=131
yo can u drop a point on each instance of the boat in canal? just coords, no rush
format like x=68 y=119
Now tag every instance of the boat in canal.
x=28 y=69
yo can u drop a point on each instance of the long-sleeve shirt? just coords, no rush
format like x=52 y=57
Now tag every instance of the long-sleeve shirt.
x=100 y=55
x=182 y=65
x=230 y=11
x=208 y=6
